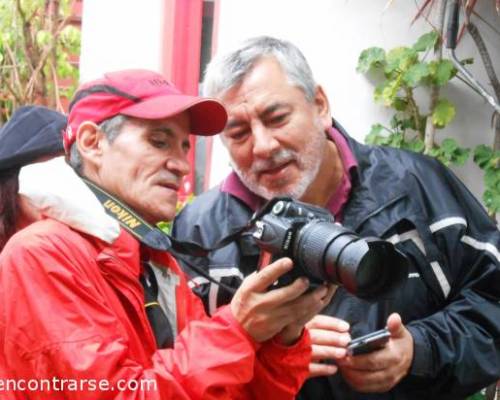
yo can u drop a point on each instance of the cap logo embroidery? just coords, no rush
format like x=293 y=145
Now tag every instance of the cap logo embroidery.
x=159 y=82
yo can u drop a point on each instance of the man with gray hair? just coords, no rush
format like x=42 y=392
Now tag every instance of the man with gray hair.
x=444 y=321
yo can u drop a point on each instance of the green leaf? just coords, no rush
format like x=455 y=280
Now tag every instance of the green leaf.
x=399 y=59
x=443 y=114
x=374 y=57
x=449 y=145
x=426 y=42
x=374 y=137
x=450 y=152
x=491 y=178
x=483 y=155
x=376 y=129
x=461 y=156
x=434 y=152
x=7 y=37
x=492 y=201
x=416 y=145
x=390 y=91
x=42 y=38
x=386 y=92
x=165 y=226
x=70 y=39
x=396 y=140
x=377 y=93
x=408 y=123
x=442 y=71
x=414 y=75
x=400 y=104
x=395 y=121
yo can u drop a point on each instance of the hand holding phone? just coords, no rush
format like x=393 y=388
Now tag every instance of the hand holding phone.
x=379 y=371
x=368 y=343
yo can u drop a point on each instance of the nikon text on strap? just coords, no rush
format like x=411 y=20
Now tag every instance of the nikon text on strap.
x=152 y=236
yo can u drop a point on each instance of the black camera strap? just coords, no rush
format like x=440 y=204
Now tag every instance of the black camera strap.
x=155 y=238
x=158 y=320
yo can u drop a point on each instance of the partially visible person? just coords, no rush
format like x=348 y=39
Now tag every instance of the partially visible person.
x=99 y=296
x=32 y=134
x=445 y=320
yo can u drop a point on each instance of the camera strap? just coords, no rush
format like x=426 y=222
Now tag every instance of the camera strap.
x=158 y=320
x=154 y=237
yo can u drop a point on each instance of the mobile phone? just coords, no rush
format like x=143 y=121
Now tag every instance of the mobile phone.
x=368 y=343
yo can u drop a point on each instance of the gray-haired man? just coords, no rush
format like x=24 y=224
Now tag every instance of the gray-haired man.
x=282 y=141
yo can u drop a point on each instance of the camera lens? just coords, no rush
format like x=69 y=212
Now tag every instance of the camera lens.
x=362 y=270
x=366 y=267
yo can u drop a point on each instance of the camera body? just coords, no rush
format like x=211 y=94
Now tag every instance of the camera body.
x=325 y=251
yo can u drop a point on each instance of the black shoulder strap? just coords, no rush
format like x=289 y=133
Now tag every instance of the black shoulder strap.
x=152 y=236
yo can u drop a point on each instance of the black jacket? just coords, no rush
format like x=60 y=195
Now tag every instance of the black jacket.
x=450 y=302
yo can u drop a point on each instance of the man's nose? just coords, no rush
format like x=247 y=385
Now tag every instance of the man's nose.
x=264 y=142
x=179 y=165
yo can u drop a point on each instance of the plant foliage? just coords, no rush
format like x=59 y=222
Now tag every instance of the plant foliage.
x=37 y=43
x=405 y=70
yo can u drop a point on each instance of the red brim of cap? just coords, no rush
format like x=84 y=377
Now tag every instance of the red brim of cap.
x=207 y=116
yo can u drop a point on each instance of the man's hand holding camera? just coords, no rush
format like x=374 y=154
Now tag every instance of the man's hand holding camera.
x=266 y=313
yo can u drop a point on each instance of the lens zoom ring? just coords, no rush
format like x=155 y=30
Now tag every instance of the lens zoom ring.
x=313 y=241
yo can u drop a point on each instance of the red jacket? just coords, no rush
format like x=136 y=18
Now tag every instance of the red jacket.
x=72 y=308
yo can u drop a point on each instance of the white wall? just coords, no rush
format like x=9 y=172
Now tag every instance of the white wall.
x=332 y=33
x=120 y=34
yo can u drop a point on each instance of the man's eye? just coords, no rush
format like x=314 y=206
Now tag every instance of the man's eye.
x=160 y=144
x=238 y=135
x=278 y=119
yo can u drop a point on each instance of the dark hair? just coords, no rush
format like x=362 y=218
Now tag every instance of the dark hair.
x=9 y=208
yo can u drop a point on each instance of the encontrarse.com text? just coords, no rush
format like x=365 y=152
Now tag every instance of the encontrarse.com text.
x=76 y=385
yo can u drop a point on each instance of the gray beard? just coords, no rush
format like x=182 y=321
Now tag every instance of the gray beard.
x=309 y=163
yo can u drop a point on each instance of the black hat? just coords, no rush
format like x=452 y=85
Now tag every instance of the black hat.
x=32 y=132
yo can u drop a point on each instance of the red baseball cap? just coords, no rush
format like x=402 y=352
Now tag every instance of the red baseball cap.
x=140 y=94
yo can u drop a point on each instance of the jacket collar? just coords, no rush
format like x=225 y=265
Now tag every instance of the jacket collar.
x=53 y=188
x=374 y=188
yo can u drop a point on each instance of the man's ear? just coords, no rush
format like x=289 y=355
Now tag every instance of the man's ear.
x=323 y=107
x=91 y=142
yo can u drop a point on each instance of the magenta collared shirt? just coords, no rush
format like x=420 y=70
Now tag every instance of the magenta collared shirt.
x=233 y=185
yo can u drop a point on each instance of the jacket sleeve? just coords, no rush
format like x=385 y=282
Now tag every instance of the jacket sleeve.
x=457 y=349
x=279 y=371
x=272 y=371
x=57 y=324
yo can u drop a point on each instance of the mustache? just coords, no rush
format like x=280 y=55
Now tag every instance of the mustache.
x=281 y=157
x=169 y=179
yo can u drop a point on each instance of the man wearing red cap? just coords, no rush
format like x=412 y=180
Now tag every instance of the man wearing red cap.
x=101 y=306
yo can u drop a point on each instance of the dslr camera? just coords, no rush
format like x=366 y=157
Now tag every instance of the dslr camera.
x=325 y=251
